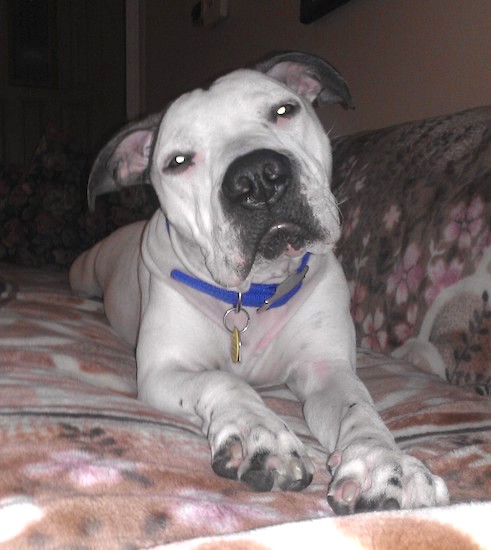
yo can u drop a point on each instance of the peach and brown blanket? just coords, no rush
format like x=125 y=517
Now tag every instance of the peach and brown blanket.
x=83 y=464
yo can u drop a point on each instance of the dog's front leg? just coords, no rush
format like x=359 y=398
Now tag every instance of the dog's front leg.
x=369 y=471
x=248 y=441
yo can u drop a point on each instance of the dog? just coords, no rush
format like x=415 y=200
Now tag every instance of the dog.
x=233 y=284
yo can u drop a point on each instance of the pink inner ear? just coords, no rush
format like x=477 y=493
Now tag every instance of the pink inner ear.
x=294 y=76
x=132 y=155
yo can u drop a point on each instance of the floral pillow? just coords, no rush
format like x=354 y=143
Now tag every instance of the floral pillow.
x=416 y=243
x=44 y=219
x=41 y=207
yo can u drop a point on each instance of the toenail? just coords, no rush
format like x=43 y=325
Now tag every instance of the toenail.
x=334 y=460
x=297 y=472
x=350 y=491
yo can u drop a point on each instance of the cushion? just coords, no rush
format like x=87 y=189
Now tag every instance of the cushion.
x=41 y=208
x=416 y=243
x=44 y=218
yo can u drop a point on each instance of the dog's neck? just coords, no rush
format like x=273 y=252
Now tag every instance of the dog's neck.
x=261 y=296
x=267 y=274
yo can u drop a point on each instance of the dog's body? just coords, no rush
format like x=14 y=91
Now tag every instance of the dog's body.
x=242 y=173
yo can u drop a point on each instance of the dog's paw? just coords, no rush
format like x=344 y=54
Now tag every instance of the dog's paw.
x=377 y=478
x=264 y=460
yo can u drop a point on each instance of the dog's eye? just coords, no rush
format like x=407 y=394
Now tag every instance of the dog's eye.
x=285 y=110
x=179 y=161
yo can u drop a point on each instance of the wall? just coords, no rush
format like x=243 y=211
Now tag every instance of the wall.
x=403 y=59
x=87 y=99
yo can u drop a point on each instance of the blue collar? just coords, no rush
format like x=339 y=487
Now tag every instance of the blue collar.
x=256 y=296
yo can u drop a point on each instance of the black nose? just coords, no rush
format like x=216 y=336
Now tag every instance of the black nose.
x=258 y=179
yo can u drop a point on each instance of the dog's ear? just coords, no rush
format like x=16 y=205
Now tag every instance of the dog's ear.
x=124 y=160
x=309 y=76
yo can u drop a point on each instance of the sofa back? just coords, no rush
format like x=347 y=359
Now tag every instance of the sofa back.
x=416 y=241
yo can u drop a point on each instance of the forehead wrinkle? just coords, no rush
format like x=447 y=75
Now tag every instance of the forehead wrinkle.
x=244 y=91
x=248 y=80
x=187 y=129
x=234 y=106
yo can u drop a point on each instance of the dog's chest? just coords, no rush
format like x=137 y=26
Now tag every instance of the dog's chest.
x=259 y=334
x=259 y=359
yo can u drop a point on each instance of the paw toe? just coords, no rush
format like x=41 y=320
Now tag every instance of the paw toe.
x=257 y=475
x=360 y=503
x=381 y=503
x=297 y=476
x=266 y=472
x=382 y=479
x=258 y=480
x=227 y=459
x=344 y=496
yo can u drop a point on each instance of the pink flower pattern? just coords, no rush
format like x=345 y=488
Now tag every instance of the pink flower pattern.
x=438 y=257
x=407 y=275
x=442 y=276
x=406 y=330
x=359 y=293
x=351 y=221
x=375 y=336
x=391 y=217
x=466 y=223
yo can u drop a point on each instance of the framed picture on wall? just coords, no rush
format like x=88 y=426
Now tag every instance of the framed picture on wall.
x=311 y=10
x=32 y=43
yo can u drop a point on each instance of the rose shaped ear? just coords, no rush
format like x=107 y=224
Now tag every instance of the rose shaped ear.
x=309 y=76
x=124 y=160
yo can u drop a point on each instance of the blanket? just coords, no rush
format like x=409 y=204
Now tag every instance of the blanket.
x=85 y=464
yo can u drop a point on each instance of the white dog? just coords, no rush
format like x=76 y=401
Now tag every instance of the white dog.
x=214 y=292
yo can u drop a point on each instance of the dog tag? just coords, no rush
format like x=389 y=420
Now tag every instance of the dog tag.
x=284 y=288
x=236 y=346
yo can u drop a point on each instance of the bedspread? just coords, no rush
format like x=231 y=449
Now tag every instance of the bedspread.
x=83 y=463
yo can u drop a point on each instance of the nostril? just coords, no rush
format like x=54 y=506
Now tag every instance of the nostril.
x=243 y=186
x=238 y=189
x=271 y=171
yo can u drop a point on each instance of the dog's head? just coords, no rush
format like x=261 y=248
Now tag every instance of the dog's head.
x=242 y=169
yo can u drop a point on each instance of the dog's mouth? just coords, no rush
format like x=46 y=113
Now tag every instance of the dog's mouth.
x=281 y=238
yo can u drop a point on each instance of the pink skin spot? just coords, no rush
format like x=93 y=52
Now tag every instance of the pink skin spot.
x=311 y=377
x=282 y=121
x=293 y=252
x=271 y=331
x=198 y=157
x=268 y=339
x=320 y=371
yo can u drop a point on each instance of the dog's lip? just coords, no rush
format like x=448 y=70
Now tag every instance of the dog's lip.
x=288 y=226
x=279 y=228
x=289 y=232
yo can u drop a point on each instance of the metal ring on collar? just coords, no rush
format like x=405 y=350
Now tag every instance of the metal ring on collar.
x=234 y=326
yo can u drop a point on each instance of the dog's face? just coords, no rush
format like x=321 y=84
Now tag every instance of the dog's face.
x=242 y=172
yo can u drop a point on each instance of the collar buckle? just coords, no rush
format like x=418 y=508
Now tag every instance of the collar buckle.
x=284 y=288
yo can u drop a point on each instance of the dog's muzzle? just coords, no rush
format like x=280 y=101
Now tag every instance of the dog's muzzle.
x=264 y=200
x=257 y=180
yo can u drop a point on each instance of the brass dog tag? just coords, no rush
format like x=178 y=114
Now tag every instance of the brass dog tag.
x=236 y=345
